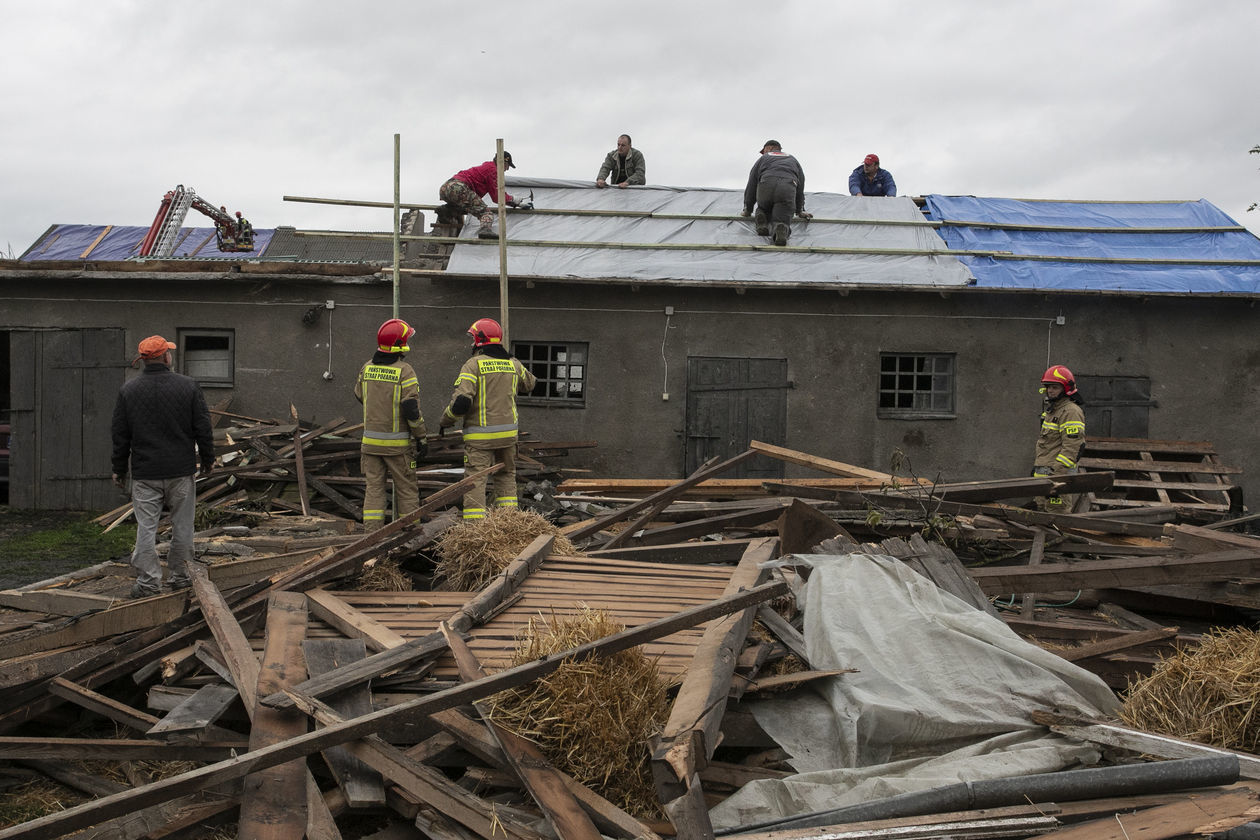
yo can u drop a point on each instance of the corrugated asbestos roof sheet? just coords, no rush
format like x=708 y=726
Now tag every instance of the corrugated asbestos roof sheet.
x=1170 y=247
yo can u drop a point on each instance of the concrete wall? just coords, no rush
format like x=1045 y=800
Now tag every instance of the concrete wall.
x=1200 y=355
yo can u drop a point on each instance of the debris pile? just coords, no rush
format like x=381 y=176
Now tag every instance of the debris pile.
x=757 y=644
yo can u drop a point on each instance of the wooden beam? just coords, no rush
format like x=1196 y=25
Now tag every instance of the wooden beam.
x=525 y=759
x=671 y=492
x=1117 y=572
x=273 y=800
x=55 y=601
x=1128 y=641
x=114 y=749
x=80 y=816
x=822 y=464
x=691 y=733
x=360 y=784
x=106 y=707
x=351 y=623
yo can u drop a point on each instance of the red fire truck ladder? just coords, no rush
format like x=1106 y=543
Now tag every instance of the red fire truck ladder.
x=232 y=234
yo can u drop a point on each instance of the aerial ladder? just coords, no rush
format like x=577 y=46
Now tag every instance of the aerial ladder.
x=232 y=234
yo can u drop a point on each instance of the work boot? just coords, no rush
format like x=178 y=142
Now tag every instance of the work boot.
x=485 y=231
x=781 y=233
x=138 y=591
x=178 y=582
x=762 y=223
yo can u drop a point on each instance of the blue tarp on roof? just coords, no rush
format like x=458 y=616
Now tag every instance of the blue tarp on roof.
x=1169 y=231
x=71 y=242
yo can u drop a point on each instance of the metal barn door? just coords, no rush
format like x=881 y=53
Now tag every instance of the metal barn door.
x=731 y=402
x=63 y=384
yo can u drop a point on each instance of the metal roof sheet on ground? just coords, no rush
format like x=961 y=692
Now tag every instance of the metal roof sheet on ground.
x=650 y=218
x=75 y=242
x=1102 y=246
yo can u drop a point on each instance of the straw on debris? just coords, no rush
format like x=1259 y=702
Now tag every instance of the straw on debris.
x=472 y=553
x=1209 y=694
x=593 y=719
x=384 y=575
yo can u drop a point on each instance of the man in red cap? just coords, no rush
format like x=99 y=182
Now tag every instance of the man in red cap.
x=161 y=429
x=869 y=179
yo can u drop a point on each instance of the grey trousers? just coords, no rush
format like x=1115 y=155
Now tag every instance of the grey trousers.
x=776 y=197
x=148 y=496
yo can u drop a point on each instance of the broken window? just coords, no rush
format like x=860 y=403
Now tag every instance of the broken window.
x=208 y=356
x=560 y=368
x=916 y=385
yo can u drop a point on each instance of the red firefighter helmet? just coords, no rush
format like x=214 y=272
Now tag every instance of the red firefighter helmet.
x=1060 y=375
x=393 y=336
x=486 y=331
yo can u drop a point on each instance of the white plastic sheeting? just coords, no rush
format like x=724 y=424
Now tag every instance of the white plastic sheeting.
x=770 y=266
x=943 y=694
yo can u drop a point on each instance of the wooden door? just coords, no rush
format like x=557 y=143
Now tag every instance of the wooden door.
x=63 y=384
x=731 y=402
x=1116 y=406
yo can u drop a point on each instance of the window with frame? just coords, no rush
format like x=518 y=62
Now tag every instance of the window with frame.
x=560 y=368
x=209 y=356
x=916 y=385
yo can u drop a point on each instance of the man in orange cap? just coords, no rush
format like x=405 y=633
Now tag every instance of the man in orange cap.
x=161 y=428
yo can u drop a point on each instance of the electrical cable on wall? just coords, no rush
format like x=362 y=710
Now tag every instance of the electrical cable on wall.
x=328 y=374
x=665 y=359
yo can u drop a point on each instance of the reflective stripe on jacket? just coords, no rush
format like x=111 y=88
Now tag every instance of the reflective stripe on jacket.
x=490 y=384
x=383 y=389
x=1062 y=437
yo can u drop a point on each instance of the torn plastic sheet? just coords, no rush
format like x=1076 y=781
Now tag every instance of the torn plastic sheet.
x=927 y=264
x=943 y=693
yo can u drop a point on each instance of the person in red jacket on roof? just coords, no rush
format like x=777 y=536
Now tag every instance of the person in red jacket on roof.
x=465 y=189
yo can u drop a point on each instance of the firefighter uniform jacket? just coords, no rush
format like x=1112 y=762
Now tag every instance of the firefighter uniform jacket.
x=384 y=389
x=1062 y=438
x=485 y=396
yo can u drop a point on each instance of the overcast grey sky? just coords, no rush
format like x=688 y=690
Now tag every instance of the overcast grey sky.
x=109 y=105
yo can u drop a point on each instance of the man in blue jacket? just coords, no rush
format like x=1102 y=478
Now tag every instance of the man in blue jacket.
x=161 y=429
x=869 y=179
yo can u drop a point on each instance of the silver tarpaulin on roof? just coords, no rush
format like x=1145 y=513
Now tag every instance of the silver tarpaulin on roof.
x=634 y=220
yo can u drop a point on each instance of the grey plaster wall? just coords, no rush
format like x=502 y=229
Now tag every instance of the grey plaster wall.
x=1200 y=355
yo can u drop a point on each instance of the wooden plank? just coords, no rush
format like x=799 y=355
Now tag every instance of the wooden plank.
x=17 y=748
x=699 y=553
x=1190 y=447
x=1206 y=814
x=802 y=526
x=299 y=465
x=360 y=784
x=80 y=816
x=273 y=801
x=822 y=464
x=1035 y=554
x=106 y=707
x=55 y=601
x=1118 y=572
x=671 y=492
x=1128 y=641
x=127 y=616
x=699 y=527
x=691 y=734
x=784 y=632
x=351 y=622
x=197 y=711
x=526 y=760
x=1141 y=465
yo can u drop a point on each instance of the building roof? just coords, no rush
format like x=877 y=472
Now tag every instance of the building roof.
x=1174 y=247
x=691 y=236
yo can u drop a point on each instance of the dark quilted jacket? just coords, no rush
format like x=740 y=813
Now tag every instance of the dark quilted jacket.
x=161 y=424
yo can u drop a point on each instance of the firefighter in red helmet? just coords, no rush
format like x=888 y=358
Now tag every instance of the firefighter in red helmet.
x=390 y=394
x=1062 y=435
x=485 y=401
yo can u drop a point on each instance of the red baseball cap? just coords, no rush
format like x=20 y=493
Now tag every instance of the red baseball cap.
x=154 y=347
x=872 y=159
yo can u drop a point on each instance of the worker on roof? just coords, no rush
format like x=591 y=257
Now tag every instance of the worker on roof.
x=390 y=394
x=485 y=400
x=623 y=166
x=161 y=429
x=1062 y=435
x=870 y=179
x=464 y=191
x=777 y=184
